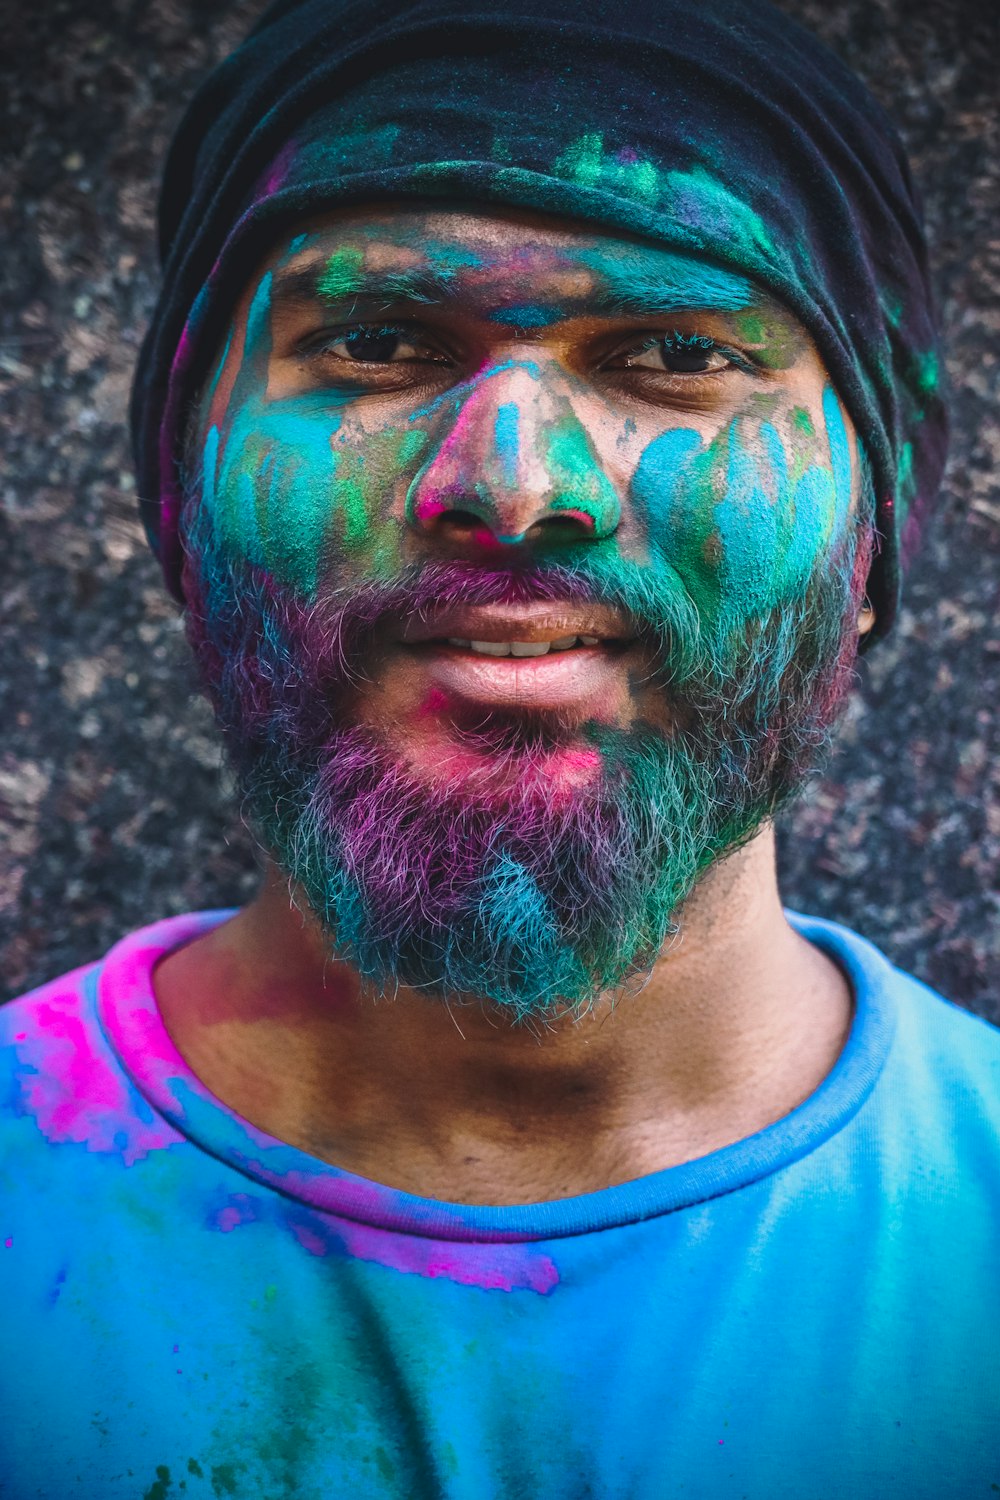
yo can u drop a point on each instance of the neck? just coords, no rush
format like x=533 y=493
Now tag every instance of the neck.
x=739 y=1022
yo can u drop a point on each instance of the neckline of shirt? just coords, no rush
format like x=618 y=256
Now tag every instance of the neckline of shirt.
x=131 y=1022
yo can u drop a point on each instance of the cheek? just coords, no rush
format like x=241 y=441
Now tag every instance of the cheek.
x=745 y=520
x=297 y=489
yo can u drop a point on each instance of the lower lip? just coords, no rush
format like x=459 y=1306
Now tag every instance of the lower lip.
x=580 y=677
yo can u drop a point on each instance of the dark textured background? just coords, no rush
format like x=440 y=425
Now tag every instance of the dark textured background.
x=114 y=809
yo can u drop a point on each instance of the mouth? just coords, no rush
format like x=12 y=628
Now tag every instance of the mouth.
x=544 y=655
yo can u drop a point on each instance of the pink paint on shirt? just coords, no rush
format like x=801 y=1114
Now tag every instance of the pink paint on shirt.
x=111 y=1078
x=70 y=1082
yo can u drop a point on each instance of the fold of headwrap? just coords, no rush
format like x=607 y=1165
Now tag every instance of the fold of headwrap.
x=720 y=128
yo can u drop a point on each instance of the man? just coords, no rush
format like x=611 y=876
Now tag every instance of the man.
x=535 y=418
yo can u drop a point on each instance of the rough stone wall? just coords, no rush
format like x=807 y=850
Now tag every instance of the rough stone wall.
x=114 y=806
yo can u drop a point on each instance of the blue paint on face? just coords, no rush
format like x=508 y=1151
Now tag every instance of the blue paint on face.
x=748 y=518
x=527 y=315
x=741 y=530
x=656 y=477
x=505 y=436
x=840 y=451
x=664 y=281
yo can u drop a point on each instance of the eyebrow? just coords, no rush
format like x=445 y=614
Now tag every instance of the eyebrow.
x=644 y=297
x=302 y=285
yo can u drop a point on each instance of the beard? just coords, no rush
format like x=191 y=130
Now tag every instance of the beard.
x=531 y=899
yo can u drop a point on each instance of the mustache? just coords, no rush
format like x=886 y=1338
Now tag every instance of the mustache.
x=341 y=625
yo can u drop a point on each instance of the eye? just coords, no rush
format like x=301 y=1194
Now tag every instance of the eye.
x=377 y=344
x=683 y=354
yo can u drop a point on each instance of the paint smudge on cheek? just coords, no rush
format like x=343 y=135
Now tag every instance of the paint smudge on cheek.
x=840 y=454
x=374 y=470
x=743 y=521
x=674 y=490
x=780 y=517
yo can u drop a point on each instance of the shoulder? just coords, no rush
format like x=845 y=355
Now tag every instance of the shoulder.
x=63 y=1078
x=54 y=1063
x=55 y=1016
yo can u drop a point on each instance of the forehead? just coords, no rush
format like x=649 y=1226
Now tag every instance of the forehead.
x=435 y=254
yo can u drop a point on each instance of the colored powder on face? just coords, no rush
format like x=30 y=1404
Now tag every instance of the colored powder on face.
x=443 y=258
x=674 y=499
x=840 y=451
x=275 y=484
x=579 y=481
x=342 y=273
x=364 y=496
x=802 y=421
x=505 y=437
x=509 y=898
x=748 y=521
x=278 y=484
x=525 y=315
x=213 y=384
x=776 y=342
x=743 y=526
x=665 y=281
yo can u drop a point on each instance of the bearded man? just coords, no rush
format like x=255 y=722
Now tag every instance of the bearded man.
x=535 y=420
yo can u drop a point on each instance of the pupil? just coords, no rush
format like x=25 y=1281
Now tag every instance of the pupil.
x=691 y=360
x=376 y=345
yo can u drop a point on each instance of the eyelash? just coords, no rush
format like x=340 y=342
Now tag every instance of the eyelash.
x=702 y=343
x=675 y=341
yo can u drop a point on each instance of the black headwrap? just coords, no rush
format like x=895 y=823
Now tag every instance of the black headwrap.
x=714 y=126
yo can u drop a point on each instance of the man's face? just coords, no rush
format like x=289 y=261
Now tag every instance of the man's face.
x=524 y=572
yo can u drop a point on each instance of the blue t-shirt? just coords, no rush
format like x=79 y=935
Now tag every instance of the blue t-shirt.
x=193 y=1309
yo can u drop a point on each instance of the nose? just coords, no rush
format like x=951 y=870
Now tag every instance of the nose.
x=515 y=465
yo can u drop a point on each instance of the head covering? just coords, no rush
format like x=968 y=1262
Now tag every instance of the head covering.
x=718 y=127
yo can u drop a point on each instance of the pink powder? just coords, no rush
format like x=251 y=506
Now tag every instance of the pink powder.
x=72 y=1084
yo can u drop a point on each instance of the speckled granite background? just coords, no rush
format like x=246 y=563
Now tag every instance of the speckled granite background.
x=114 y=809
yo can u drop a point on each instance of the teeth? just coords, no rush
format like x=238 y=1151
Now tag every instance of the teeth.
x=491 y=648
x=522 y=648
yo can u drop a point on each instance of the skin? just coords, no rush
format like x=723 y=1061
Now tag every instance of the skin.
x=525 y=407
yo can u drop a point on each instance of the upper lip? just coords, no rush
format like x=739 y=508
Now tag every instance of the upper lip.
x=548 y=620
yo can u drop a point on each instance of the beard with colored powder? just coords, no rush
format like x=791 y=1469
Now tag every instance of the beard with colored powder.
x=532 y=899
